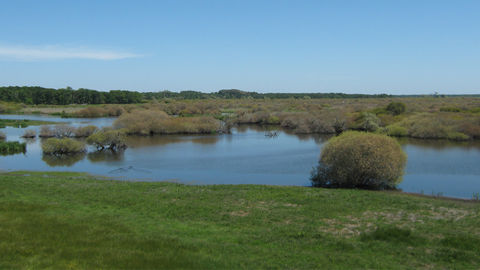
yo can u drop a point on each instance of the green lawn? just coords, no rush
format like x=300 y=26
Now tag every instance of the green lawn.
x=70 y=220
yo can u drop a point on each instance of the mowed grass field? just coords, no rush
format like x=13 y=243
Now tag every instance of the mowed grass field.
x=75 y=221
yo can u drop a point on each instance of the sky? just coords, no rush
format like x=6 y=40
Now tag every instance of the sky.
x=361 y=46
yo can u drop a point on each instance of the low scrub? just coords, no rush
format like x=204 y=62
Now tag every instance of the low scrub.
x=54 y=146
x=66 y=131
x=396 y=108
x=104 y=111
x=395 y=130
x=10 y=148
x=2 y=136
x=360 y=160
x=452 y=126
x=58 y=131
x=108 y=139
x=367 y=121
x=83 y=132
x=450 y=109
x=29 y=134
x=149 y=122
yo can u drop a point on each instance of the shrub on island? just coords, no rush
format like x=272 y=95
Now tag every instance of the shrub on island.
x=108 y=139
x=10 y=148
x=360 y=160
x=29 y=134
x=149 y=122
x=64 y=146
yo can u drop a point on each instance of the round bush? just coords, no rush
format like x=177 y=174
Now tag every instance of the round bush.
x=360 y=160
x=396 y=108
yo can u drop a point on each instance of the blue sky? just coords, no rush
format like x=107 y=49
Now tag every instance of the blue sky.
x=398 y=47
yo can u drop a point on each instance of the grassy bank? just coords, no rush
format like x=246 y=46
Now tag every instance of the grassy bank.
x=23 y=123
x=69 y=220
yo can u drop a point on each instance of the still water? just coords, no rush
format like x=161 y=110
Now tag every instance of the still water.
x=246 y=156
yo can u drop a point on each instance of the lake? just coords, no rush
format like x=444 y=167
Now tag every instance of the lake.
x=246 y=156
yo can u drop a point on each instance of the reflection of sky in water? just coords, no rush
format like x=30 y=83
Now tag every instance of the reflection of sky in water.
x=248 y=157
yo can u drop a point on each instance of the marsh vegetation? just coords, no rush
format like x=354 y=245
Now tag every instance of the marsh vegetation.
x=453 y=118
x=11 y=148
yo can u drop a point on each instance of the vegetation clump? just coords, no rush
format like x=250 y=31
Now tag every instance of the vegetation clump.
x=63 y=146
x=10 y=148
x=66 y=131
x=108 y=110
x=2 y=136
x=360 y=160
x=396 y=108
x=368 y=122
x=83 y=132
x=108 y=139
x=29 y=134
x=149 y=122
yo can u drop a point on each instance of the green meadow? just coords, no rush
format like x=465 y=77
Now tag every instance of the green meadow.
x=76 y=221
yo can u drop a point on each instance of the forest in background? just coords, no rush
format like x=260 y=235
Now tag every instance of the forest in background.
x=36 y=95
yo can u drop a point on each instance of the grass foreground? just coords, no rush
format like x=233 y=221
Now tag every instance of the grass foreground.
x=75 y=221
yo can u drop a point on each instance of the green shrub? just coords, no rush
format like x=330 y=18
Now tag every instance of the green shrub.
x=475 y=110
x=46 y=132
x=10 y=148
x=85 y=131
x=54 y=146
x=148 y=122
x=396 y=131
x=108 y=139
x=396 y=108
x=2 y=136
x=367 y=122
x=450 y=109
x=457 y=136
x=29 y=134
x=360 y=160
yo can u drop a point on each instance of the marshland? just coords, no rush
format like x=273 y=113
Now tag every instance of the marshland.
x=239 y=134
x=222 y=139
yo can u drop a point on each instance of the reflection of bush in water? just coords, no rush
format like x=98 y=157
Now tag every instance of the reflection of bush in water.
x=63 y=160
x=142 y=141
x=105 y=155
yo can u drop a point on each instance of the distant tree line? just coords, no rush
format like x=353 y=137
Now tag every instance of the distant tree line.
x=40 y=95
x=64 y=96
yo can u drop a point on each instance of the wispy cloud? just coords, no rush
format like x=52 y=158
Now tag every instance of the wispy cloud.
x=60 y=52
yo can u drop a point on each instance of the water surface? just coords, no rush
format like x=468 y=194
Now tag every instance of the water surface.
x=246 y=157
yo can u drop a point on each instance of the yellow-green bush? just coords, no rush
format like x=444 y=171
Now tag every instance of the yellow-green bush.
x=85 y=131
x=396 y=131
x=29 y=134
x=148 y=122
x=108 y=139
x=54 y=146
x=396 y=108
x=367 y=121
x=360 y=160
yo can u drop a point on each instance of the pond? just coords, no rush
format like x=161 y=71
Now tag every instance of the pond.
x=246 y=156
